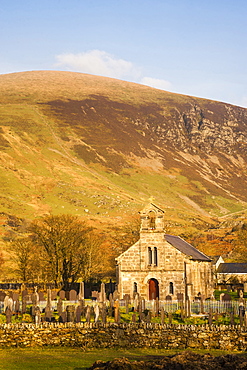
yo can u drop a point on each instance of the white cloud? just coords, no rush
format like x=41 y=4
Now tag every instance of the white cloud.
x=98 y=62
x=157 y=83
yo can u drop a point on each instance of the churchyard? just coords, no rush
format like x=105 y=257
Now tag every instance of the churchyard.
x=58 y=306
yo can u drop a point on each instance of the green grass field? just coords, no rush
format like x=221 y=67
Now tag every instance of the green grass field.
x=74 y=358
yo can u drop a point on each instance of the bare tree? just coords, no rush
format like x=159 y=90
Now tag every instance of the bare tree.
x=70 y=246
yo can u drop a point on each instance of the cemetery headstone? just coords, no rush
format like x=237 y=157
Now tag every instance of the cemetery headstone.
x=41 y=296
x=81 y=291
x=157 y=306
x=37 y=315
x=2 y=296
x=72 y=295
x=78 y=313
x=96 y=313
x=134 y=318
x=62 y=294
x=102 y=296
x=70 y=310
x=180 y=297
x=170 y=318
x=24 y=304
x=103 y=314
x=162 y=315
x=8 y=314
x=115 y=295
x=232 y=320
x=63 y=317
x=60 y=306
x=17 y=306
x=88 y=314
x=116 y=312
x=53 y=295
x=225 y=297
x=15 y=296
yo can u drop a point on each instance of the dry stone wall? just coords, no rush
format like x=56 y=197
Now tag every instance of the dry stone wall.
x=98 y=335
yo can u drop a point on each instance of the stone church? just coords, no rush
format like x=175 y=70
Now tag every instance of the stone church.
x=161 y=265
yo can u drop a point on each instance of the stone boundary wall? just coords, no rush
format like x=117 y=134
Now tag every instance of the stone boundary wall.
x=98 y=335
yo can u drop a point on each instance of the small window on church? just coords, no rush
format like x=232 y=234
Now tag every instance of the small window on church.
x=171 y=289
x=155 y=256
x=152 y=217
x=150 y=259
x=135 y=288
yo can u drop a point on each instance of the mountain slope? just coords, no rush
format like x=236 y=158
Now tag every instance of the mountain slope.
x=99 y=147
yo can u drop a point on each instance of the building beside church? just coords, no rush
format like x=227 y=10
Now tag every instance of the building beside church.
x=161 y=265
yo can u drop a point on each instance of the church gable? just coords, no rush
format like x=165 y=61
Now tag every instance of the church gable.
x=129 y=259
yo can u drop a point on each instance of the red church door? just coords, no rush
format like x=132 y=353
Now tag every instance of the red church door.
x=153 y=289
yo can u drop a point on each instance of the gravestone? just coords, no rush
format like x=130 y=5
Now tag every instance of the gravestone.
x=59 y=306
x=111 y=300
x=162 y=315
x=2 y=296
x=24 y=293
x=103 y=314
x=170 y=318
x=62 y=294
x=245 y=287
x=53 y=295
x=180 y=297
x=157 y=306
x=72 y=295
x=78 y=313
x=8 y=314
x=81 y=291
x=232 y=320
x=116 y=312
x=24 y=305
x=63 y=317
x=127 y=300
x=41 y=296
x=70 y=311
x=134 y=318
x=102 y=296
x=37 y=315
x=96 y=313
x=15 y=296
x=115 y=295
x=225 y=297
x=88 y=314
x=48 y=313
x=17 y=306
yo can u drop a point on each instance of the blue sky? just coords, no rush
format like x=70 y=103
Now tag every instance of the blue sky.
x=191 y=47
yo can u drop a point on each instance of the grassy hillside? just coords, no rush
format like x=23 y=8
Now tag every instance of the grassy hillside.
x=100 y=148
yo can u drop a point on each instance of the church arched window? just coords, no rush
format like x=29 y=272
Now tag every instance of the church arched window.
x=171 y=288
x=150 y=259
x=155 y=256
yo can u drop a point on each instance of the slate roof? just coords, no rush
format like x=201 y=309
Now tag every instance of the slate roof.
x=232 y=268
x=186 y=248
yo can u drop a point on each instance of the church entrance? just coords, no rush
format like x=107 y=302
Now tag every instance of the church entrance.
x=153 y=289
